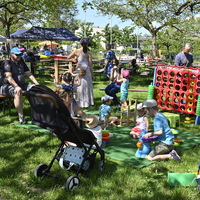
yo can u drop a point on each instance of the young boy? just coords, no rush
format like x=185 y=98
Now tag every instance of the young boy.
x=105 y=111
x=164 y=149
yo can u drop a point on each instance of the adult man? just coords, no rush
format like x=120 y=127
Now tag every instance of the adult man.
x=12 y=80
x=3 y=51
x=74 y=47
x=185 y=58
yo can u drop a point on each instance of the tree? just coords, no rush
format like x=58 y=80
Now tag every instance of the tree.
x=153 y=15
x=28 y=11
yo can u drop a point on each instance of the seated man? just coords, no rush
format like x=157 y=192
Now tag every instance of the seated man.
x=12 y=80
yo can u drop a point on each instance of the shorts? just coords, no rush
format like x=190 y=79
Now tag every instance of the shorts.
x=136 y=130
x=160 y=149
x=8 y=90
x=124 y=96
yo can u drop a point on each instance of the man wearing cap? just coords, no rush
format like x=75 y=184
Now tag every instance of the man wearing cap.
x=164 y=149
x=12 y=80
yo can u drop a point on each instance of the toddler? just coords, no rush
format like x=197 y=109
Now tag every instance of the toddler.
x=124 y=85
x=66 y=80
x=142 y=122
x=105 y=111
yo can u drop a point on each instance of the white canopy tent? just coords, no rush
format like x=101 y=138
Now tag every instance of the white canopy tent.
x=2 y=38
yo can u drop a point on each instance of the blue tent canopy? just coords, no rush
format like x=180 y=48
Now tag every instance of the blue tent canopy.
x=20 y=31
x=38 y=33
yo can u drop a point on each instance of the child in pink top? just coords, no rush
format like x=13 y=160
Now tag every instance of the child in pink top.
x=142 y=122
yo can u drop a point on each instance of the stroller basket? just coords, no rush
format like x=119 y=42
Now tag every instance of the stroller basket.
x=49 y=112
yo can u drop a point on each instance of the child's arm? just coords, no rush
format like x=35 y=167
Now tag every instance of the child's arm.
x=56 y=85
x=79 y=82
x=150 y=134
x=120 y=80
x=147 y=123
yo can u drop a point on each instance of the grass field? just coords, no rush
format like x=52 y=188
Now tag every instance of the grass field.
x=22 y=150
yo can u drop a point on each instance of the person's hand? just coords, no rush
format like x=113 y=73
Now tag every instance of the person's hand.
x=52 y=75
x=17 y=90
x=147 y=135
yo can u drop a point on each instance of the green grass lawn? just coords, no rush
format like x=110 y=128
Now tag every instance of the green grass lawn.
x=22 y=150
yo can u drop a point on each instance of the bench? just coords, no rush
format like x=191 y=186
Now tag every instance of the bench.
x=131 y=90
x=100 y=71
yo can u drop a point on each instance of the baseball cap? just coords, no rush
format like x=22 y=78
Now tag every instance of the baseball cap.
x=125 y=73
x=105 y=98
x=149 y=103
x=15 y=50
x=139 y=106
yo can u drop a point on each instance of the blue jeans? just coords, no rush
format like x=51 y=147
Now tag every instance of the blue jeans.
x=111 y=90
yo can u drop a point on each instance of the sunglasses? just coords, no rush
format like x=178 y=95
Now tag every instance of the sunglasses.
x=18 y=54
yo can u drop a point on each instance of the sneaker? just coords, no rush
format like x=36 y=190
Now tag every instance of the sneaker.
x=22 y=119
x=117 y=122
x=175 y=156
x=111 y=124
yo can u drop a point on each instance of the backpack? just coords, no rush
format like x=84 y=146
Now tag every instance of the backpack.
x=1 y=72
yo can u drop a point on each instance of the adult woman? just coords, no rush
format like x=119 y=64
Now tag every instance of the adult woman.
x=109 y=57
x=66 y=95
x=114 y=87
x=85 y=91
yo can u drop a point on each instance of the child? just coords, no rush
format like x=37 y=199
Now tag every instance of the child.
x=105 y=111
x=142 y=122
x=124 y=86
x=66 y=79
x=164 y=149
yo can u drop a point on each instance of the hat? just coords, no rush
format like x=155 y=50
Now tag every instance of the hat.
x=125 y=73
x=93 y=121
x=15 y=50
x=149 y=103
x=105 y=98
x=74 y=45
x=139 y=106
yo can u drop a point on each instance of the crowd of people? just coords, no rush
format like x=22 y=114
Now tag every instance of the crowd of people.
x=12 y=82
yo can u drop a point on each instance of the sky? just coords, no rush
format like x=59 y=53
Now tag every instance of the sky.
x=102 y=21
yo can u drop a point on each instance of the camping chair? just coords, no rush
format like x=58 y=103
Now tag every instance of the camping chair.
x=49 y=112
x=127 y=113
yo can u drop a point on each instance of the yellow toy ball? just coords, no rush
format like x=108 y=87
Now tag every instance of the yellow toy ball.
x=188 y=118
x=191 y=90
x=190 y=103
x=192 y=83
x=187 y=122
x=190 y=96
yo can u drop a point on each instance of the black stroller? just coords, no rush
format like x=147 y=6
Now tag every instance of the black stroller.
x=49 y=112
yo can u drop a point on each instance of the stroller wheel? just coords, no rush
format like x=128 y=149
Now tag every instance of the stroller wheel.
x=72 y=183
x=39 y=171
x=101 y=165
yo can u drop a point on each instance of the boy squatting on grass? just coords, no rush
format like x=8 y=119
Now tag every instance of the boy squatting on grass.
x=105 y=111
x=164 y=149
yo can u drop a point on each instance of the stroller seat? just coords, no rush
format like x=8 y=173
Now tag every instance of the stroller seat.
x=49 y=112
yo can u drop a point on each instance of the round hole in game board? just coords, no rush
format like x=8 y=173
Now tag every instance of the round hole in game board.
x=176 y=94
x=191 y=89
x=182 y=107
x=186 y=75
x=171 y=86
x=158 y=91
x=157 y=97
x=164 y=85
x=183 y=101
x=179 y=75
x=164 y=92
x=159 y=72
x=158 y=78
x=183 y=95
x=176 y=100
x=169 y=105
x=169 y=99
x=199 y=77
x=158 y=84
x=184 y=88
x=198 y=90
x=171 y=80
x=190 y=96
x=175 y=106
x=178 y=81
x=172 y=74
x=166 y=73
x=162 y=104
x=192 y=76
x=165 y=79
x=163 y=98
x=177 y=87
x=185 y=82
x=196 y=97
x=198 y=84
x=170 y=93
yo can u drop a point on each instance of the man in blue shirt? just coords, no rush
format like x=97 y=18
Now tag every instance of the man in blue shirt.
x=185 y=58
x=164 y=149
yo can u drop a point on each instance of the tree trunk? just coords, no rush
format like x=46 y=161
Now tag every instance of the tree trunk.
x=153 y=34
x=167 y=50
x=7 y=33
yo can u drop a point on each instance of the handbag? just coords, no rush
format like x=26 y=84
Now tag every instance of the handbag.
x=73 y=157
x=82 y=72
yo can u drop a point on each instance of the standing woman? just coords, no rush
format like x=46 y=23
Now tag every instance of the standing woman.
x=109 y=57
x=85 y=91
